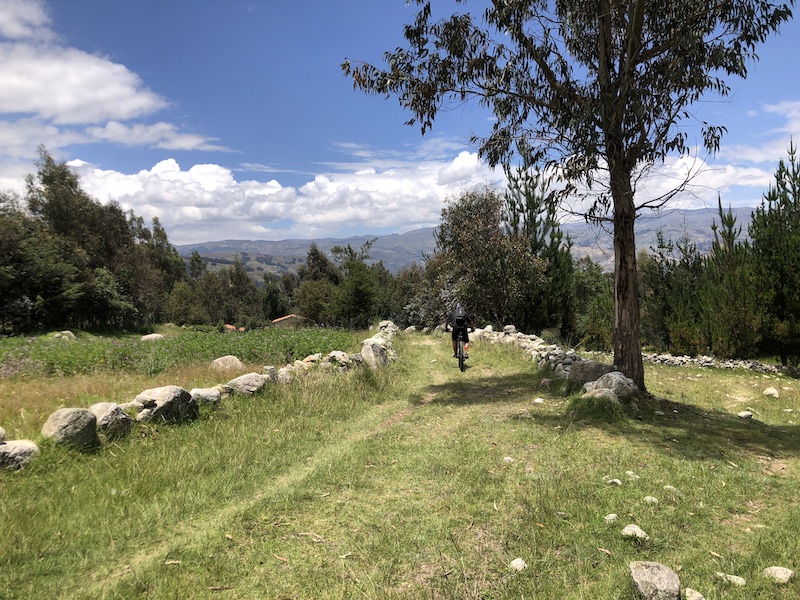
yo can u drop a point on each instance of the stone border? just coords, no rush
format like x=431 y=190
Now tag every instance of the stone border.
x=85 y=429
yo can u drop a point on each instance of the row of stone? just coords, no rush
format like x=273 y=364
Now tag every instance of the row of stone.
x=83 y=428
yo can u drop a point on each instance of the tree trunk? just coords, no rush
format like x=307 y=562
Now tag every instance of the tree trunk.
x=627 y=342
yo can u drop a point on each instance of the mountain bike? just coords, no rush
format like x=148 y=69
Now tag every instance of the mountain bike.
x=460 y=348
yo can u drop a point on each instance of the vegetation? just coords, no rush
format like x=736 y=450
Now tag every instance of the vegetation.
x=593 y=93
x=396 y=484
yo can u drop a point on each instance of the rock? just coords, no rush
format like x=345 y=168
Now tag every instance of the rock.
x=150 y=337
x=206 y=396
x=654 y=581
x=113 y=422
x=611 y=518
x=227 y=363
x=732 y=579
x=745 y=414
x=76 y=427
x=778 y=574
x=518 y=564
x=65 y=335
x=584 y=371
x=632 y=476
x=17 y=453
x=285 y=374
x=374 y=354
x=615 y=381
x=172 y=404
x=509 y=329
x=650 y=500
x=545 y=384
x=248 y=384
x=614 y=481
x=633 y=531
x=602 y=394
x=409 y=329
x=690 y=594
x=538 y=400
x=508 y=460
x=771 y=391
x=271 y=373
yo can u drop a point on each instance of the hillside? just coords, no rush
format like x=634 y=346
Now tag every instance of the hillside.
x=400 y=250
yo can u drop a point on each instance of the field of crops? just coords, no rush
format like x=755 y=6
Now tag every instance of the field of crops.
x=89 y=353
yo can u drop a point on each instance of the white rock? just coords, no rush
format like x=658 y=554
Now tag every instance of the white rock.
x=614 y=482
x=227 y=363
x=690 y=594
x=671 y=489
x=771 y=391
x=732 y=579
x=151 y=337
x=631 y=475
x=538 y=400
x=658 y=413
x=745 y=414
x=611 y=518
x=650 y=500
x=779 y=574
x=518 y=564
x=634 y=532
x=508 y=460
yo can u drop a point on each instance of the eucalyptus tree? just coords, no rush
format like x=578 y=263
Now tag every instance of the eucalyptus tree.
x=596 y=91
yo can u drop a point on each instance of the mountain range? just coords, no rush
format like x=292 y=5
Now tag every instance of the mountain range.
x=401 y=250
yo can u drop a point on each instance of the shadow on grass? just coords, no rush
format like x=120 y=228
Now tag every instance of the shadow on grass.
x=701 y=434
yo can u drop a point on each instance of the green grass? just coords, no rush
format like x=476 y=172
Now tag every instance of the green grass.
x=395 y=484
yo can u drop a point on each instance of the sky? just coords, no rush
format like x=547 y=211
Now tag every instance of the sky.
x=231 y=119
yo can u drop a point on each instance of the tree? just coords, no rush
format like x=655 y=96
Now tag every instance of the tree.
x=492 y=273
x=732 y=313
x=595 y=92
x=530 y=214
x=775 y=234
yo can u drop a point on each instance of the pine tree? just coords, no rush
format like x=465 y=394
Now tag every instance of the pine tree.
x=775 y=234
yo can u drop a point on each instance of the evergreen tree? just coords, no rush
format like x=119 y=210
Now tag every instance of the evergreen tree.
x=775 y=237
x=731 y=312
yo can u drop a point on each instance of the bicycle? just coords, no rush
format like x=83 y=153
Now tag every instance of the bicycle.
x=460 y=348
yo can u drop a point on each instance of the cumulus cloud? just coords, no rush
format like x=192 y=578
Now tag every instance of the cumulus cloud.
x=24 y=21
x=206 y=202
x=58 y=96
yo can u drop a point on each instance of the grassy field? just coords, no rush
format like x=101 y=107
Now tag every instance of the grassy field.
x=418 y=481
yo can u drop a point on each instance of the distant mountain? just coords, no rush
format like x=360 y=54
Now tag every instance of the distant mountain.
x=400 y=250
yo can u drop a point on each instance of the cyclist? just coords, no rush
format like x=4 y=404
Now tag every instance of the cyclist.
x=459 y=320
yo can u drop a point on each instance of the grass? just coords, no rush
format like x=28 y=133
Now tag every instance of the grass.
x=418 y=481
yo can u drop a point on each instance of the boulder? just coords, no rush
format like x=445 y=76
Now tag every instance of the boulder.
x=227 y=363
x=76 y=427
x=248 y=384
x=112 y=421
x=170 y=403
x=584 y=371
x=602 y=394
x=65 y=335
x=654 y=581
x=374 y=354
x=151 y=337
x=615 y=381
x=17 y=453
x=285 y=374
x=206 y=396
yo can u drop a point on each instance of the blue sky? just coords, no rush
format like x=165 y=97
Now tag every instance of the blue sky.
x=231 y=119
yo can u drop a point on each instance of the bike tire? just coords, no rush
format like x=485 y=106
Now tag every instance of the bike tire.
x=461 y=364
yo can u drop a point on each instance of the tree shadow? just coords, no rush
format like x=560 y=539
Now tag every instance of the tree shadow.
x=681 y=428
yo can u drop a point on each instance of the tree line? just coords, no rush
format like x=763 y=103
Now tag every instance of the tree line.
x=67 y=260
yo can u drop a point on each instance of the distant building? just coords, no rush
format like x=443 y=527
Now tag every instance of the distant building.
x=291 y=322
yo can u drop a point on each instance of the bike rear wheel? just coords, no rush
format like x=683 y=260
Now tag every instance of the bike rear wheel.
x=461 y=364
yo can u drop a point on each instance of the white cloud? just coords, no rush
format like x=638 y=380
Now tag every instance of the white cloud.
x=55 y=95
x=24 y=20
x=69 y=87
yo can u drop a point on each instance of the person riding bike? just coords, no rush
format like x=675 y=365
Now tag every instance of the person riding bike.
x=459 y=320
